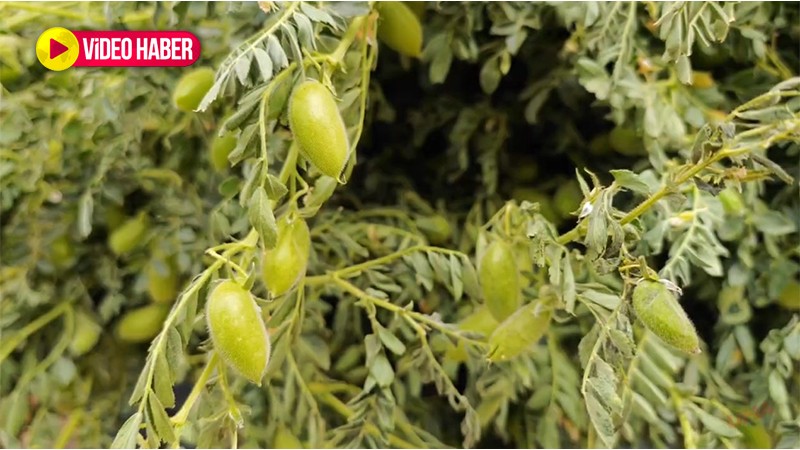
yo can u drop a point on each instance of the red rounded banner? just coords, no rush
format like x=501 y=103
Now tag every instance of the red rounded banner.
x=136 y=48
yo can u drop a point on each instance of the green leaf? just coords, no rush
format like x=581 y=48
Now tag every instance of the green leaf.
x=128 y=432
x=469 y=278
x=17 y=413
x=242 y=68
x=422 y=269
x=391 y=341
x=777 y=388
x=212 y=93
x=568 y=285
x=629 y=180
x=174 y=349
x=160 y=420
x=261 y=217
x=606 y=300
x=490 y=75
x=316 y=350
x=318 y=15
x=455 y=277
x=440 y=265
x=264 y=63
x=242 y=143
x=715 y=424
x=141 y=383
x=684 y=68
x=773 y=223
x=644 y=409
x=594 y=77
x=275 y=189
x=597 y=234
x=186 y=317
x=382 y=371
x=586 y=344
x=601 y=418
x=443 y=57
x=373 y=347
x=162 y=380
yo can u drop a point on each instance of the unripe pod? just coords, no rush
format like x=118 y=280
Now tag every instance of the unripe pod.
x=790 y=296
x=142 y=324
x=626 y=141
x=660 y=312
x=285 y=439
x=115 y=217
x=524 y=169
x=86 y=335
x=600 y=145
x=285 y=264
x=479 y=321
x=221 y=147
x=525 y=264
x=754 y=433
x=399 y=28
x=129 y=235
x=62 y=253
x=546 y=207
x=318 y=128
x=162 y=280
x=732 y=201
x=500 y=281
x=237 y=330
x=435 y=227
x=568 y=198
x=702 y=80
x=191 y=89
x=519 y=331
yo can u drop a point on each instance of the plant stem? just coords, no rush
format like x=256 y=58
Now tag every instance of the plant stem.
x=227 y=261
x=13 y=342
x=320 y=279
x=367 y=58
x=233 y=408
x=686 y=427
x=179 y=419
x=161 y=340
x=55 y=353
x=644 y=206
x=341 y=408
x=349 y=36
x=414 y=316
x=320 y=388
x=68 y=429
x=305 y=391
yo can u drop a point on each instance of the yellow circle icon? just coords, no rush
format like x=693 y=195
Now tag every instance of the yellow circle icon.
x=57 y=49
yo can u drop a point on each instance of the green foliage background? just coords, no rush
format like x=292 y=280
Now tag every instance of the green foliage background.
x=366 y=352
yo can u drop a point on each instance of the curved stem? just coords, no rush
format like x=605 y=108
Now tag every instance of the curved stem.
x=354 y=269
x=412 y=316
x=686 y=175
x=349 y=36
x=160 y=341
x=68 y=429
x=17 y=338
x=179 y=419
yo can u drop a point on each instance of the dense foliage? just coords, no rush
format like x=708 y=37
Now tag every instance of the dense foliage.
x=555 y=224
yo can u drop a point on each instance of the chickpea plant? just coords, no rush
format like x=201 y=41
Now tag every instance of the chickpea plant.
x=354 y=224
